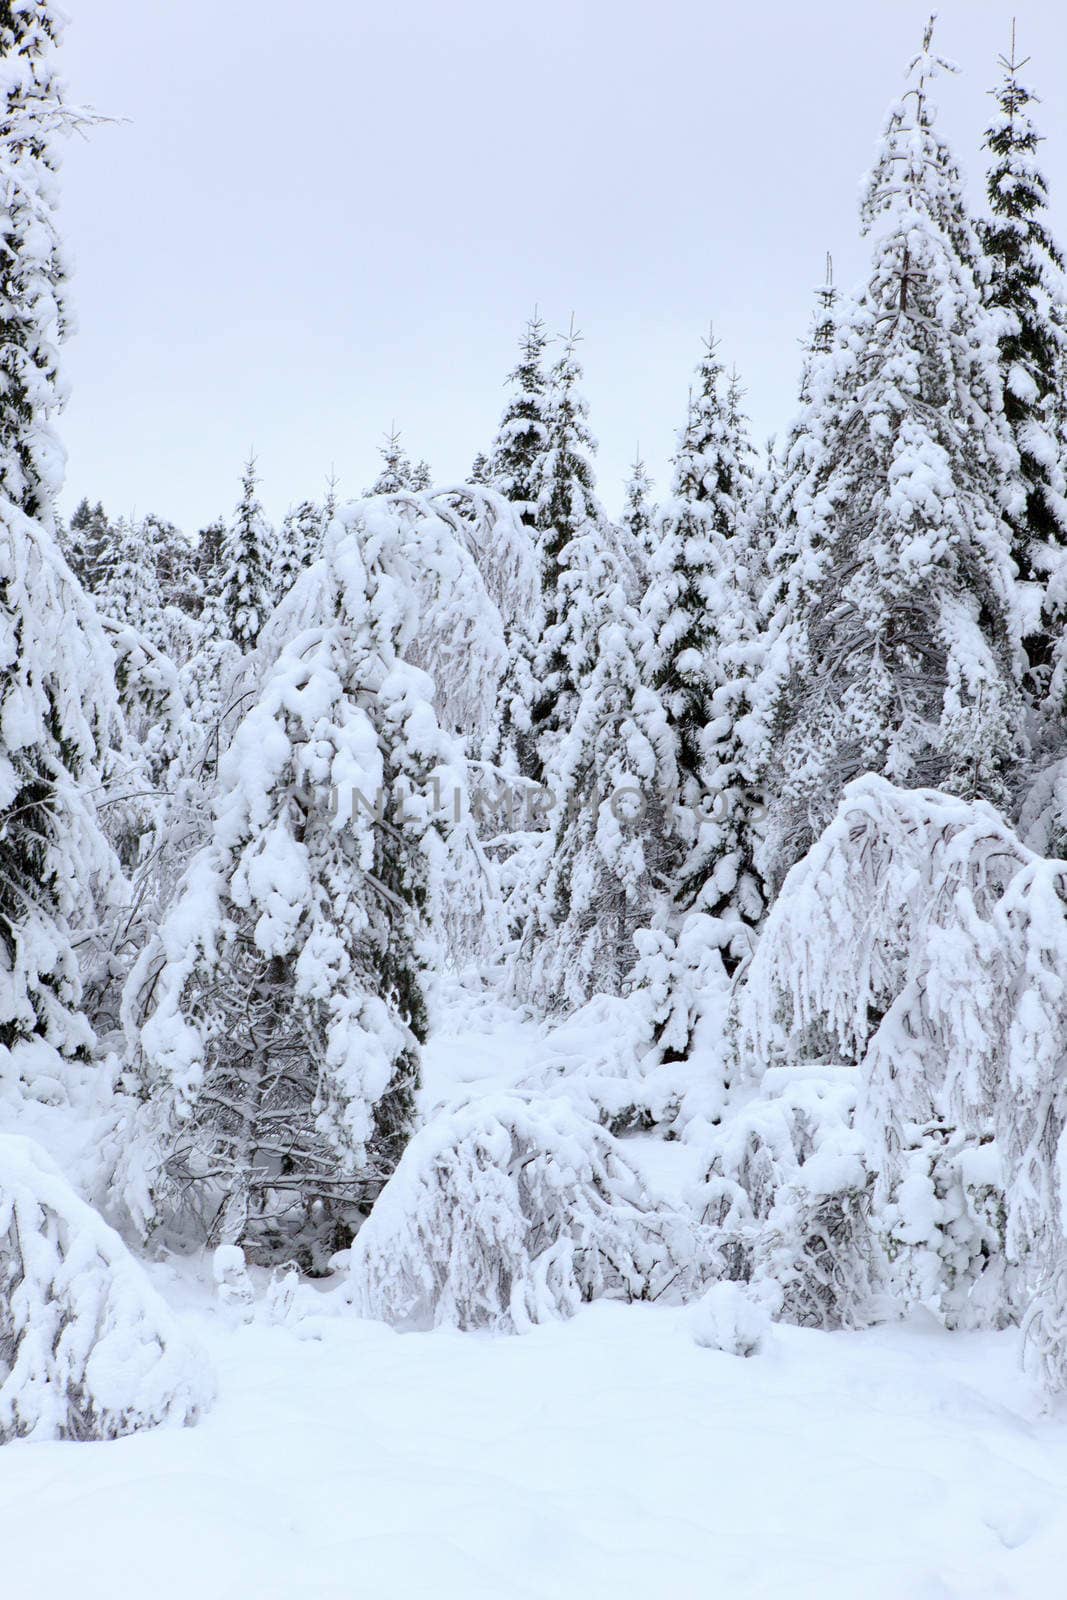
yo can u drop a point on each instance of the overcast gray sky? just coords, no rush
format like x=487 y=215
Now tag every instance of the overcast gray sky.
x=322 y=218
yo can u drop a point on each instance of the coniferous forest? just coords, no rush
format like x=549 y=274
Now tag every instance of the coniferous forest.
x=458 y=904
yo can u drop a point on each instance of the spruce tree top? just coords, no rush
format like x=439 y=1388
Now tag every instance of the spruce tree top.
x=566 y=497
x=695 y=603
x=638 y=514
x=1026 y=284
x=514 y=460
x=713 y=463
x=246 y=560
x=919 y=344
x=823 y=323
x=396 y=473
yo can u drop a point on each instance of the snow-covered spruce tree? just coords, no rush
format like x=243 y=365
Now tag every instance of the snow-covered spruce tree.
x=763 y=537
x=396 y=470
x=779 y=522
x=573 y=554
x=292 y=548
x=1025 y=283
x=732 y=886
x=737 y=476
x=513 y=468
x=127 y=591
x=901 y=650
x=820 y=339
x=72 y=536
x=278 y=1014
x=209 y=676
x=421 y=477
x=57 y=702
x=214 y=658
x=308 y=523
x=567 y=502
x=329 y=504
x=245 y=565
x=175 y=560
x=700 y=630
x=88 y=1350
x=157 y=725
x=600 y=879
x=177 y=583
x=514 y=463
x=209 y=551
x=566 y=484
x=685 y=578
x=85 y=543
x=639 y=514
x=275 y=1019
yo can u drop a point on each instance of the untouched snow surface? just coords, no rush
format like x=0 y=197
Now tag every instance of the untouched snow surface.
x=610 y=1457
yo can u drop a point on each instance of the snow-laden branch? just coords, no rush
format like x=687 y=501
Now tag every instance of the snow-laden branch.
x=510 y=1212
x=920 y=940
x=88 y=1350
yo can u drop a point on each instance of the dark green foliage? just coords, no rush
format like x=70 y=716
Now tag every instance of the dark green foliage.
x=1025 y=283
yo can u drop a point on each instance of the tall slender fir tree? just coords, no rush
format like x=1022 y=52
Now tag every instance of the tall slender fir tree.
x=574 y=553
x=513 y=467
x=246 y=565
x=514 y=463
x=639 y=514
x=1025 y=284
x=698 y=613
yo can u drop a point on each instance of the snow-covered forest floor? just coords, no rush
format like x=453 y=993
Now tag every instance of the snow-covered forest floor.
x=609 y=1455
